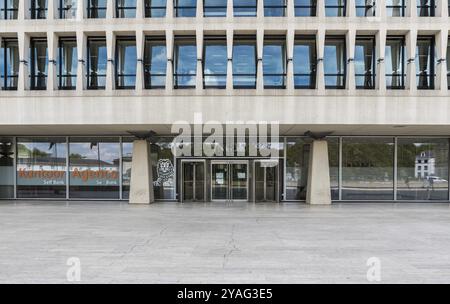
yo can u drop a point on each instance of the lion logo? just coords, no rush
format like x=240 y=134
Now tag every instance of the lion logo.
x=164 y=169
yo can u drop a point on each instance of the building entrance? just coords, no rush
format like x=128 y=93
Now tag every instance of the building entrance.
x=266 y=181
x=193 y=188
x=229 y=180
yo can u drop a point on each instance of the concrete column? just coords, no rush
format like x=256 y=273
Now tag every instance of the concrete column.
x=259 y=8
x=52 y=9
x=24 y=63
x=140 y=10
x=140 y=43
x=350 y=48
x=350 y=8
x=229 y=9
x=199 y=11
x=170 y=13
x=320 y=44
x=169 y=52
x=259 y=67
x=23 y=10
x=380 y=9
x=199 y=73
x=230 y=60
x=411 y=8
x=290 y=9
x=81 y=7
x=290 y=65
x=82 y=59
x=52 y=73
x=110 y=9
x=320 y=8
x=141 y=183
x=318 y=188
x=444 y=8
x=380 y=46
x=411 y=42
x=110 y=70
x=441 y=67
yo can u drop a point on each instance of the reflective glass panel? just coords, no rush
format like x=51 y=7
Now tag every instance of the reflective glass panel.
x=97 y=60
x=244 y=8
x=274 y=64
x=125 y=8
x=395 y=8
x=334 y=63
x=185 y=63
x=305 y=8
x=155 y=8
x=365 y=8
x=185 y=8
x=215 y=63
x=305 y=63
x=96 y=8
x=155 y=64
x=9 y=64
x=6 y=167
x=244 y=64
x=333 y=156
x=335 y=8
x=39 y=64
x=274 y=8
x=425 y=63
x=67 y=64
x=395 y=63
x=125 y=63
x=68 y=9
x=297 y=163
x=215 y=8
x=365 y=62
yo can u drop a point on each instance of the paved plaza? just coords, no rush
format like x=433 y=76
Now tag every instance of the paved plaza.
x=223 y=243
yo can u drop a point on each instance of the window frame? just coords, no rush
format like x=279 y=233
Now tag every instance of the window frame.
x=60 y=76
x=118 y=75
x=312 y=75
x=373 y=73
x=4 y=46
x=344 y=75
x=154 y=40
x=88 y=66
x=402 y=39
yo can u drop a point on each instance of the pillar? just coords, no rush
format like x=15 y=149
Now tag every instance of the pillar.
x=259 y=66
x=229 y=60
x=141 y=183
x=318 y=188
x=290 y=64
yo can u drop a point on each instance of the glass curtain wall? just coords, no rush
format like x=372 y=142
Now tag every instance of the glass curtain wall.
x=155 y=62
x=96 y=63
x=67 y=63
x=68 y=9
x=155 y=8
x=274 y=62
x=215 y=62
x=38 y=9
x=126 y=62
x=127 y=156
x=395 y=62
x=244 y=8
x=305 y=62
x=297 y=163
x=395 y=8
x=185 y=62
x=365 y=62
x=335 y=62
x=244 y=62
x=6 y=167
x=126 y=8
x=185 y=8
x=94 y=167
x=333 y=156
x=215 y=8
x=305 y=8
x=39 y=63
x=41 y=167
x=335 y=8
x=9 y=64
x=425 y=70
x=96 y=8
x=9 y=9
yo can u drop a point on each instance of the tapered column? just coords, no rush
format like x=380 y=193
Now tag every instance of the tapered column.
x=350 y=77
x=199 y=11
x=110 y=9
x=141 y=183
x=110 y=50
x=82 y=59
x=52 y=49
x=290 y=64
x=23 y=10
x=411 y=41
x=380 y=8
x=259 y=67
x=443 y=8
x=199 y=73
x=318 y=187
x=411 y=8
x=140 y=42
x=320 y=8
x=169 y=67
x=320 y=44
x=290 y=8
x=229 y=60
x=140 y=10
x=350 y=8
x=229 y=9
x=52 y=9
x=80 y=9
x=380 y=43
x=170 y=13
x=259 y=8
x=23 y=82
x=441 y=68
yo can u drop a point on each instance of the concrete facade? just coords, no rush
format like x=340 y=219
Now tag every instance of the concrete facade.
x=318 y=191
x=141 y=185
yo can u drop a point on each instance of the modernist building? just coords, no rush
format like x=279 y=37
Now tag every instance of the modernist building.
x=359 y=90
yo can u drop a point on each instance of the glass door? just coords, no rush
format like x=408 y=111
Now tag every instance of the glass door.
x=266 y=181
x=193 y=181
x=229 y=180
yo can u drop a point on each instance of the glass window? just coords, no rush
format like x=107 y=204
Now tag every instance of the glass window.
x=155 y=8
x=305 y=62
x=6 y=167
x=365 y=8
x=335 y=8
x=274 y=8
x=335 y=62
x=367 y=168
x=244 y=8
x=185 y=8
x=39 y=63
x=415 y=182
x=215 y=62
x=68 y=9
x=297 y=163
x=125 y=63
x=305 y=8
x=9 y=64
x=395 y=8
x=38 y=9
x=155 y=62
x=94 y=168
x=426 y=8
x=67 y=64
x=127 y=154
x=9 y=9
x=96 y=63
x=425 y=63
x=125 y=8
x=41 y=167
x=244 y=62
x=395 y=63
x=448 y=64
x=96 y=8
x=365 y=62
x=333 y=157
x=215 y=8
x=274 y=62
x=185 y=57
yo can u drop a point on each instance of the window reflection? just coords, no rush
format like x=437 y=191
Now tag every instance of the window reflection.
x=67 y=64
x=395 y=62
x=9 y=9
x=365 y=8
x=244 y=8
x=365 y=62
x=274 y=62
x=215 y=8
x=96 y=8
x=94 y=168
x=68 y=9
x=426 y=8
x=244 y=62
x=155 y=8
x=425 y=63
x=185 y=61
x=274 y=8
x=335 y=62
x=9 y=64
x=38 y=9
x=215 y=62
x=96 y=64
x=448 y=64
x=125 y=8
x=367 y=168
x=304 y=61
x=422 y=172
x=185 y=8
x=333 y=156
x=297 y=163
x=155 y=62
x=395 y=8
x=125 y=62
x=127 y=154
x=6 y=167
x=41 y=167
x=335 y=8
x=39 y=63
